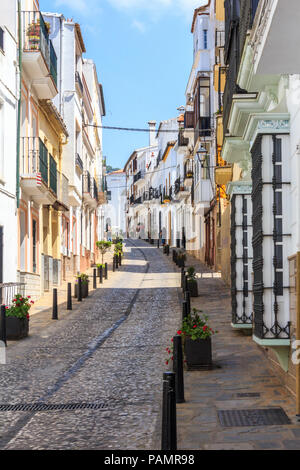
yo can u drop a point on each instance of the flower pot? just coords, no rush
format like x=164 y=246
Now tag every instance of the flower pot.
x=84 y=290
x=193 y=288
x=198 y=353
x=16 y=328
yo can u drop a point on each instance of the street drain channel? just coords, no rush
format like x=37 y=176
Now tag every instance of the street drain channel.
x=55 y=407
x=258 y=417
x=248 y=395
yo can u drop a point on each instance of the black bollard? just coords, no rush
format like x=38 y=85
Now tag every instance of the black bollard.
x=3 y=324
x=173 y=255
x=158 y=243
x=182 y=277
x=106 y=271
x=178 y=368
x=187 y=297
x=101 y=275
x=185 y=284
x=54 y=308
x=120 y=259
x=117 y=261
x=79 y=290
x=168 y=250
x=95 y=279
x=169 y=432
x=114 y=264
x=69 y=300
x=184 y=310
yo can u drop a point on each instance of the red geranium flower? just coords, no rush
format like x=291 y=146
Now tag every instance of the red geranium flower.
x=179 y=332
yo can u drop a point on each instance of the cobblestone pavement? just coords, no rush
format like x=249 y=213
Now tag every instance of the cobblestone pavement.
x=240 y=367
x=110 y=350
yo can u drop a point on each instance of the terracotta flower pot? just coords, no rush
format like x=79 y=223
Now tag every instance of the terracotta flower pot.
x=198 y=353
x=16 y=328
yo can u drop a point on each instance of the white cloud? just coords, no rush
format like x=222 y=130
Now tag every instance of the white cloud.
x=139 y=26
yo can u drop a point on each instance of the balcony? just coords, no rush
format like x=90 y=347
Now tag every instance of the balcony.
x=182 y=141
x=167 y=195
x=38 y=171
x=62 y=203
x=189 y=120
x=78 y=83
x=203 y=128
x=89 y=190
x=276 y=34
x=139 y=176
x=79 y=163
x=180 y=191
x=188 y=173
x=39 y=58
x=223 y=174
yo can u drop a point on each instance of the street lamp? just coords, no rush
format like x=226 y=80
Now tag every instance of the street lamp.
x=201 y=154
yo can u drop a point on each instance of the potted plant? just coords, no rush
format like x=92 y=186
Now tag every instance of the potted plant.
x=180 y=258
x=196 y=334
x=192 y=281
x=17 y=317
x=84 y=285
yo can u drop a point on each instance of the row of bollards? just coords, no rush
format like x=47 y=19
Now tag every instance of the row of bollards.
x=173 y=392
x=173 y=382
x=79 y=293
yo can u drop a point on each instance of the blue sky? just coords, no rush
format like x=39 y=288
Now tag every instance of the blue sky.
x=143 y=53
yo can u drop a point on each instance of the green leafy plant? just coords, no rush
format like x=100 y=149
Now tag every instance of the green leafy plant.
x=119 y=248
x=191 y=274
x=194 y=326
x=84 y=278
x=100 y=266
x=103 y=246
x=20 y=307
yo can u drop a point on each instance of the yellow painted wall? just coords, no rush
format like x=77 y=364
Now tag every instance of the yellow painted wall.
x=220 y=10
x=50 y=138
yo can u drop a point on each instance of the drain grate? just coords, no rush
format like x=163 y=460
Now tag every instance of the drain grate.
x=259 y=417
x=54 y=406
x=248 y=395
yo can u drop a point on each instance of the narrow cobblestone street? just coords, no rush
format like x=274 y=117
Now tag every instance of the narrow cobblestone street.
x=110 y=351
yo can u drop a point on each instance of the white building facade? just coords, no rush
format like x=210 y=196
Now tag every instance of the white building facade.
x=9 y=84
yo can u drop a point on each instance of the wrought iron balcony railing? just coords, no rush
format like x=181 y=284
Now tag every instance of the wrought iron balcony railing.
x=35 y=159
x=35 y=37
x=188 y=169
x=79 y=162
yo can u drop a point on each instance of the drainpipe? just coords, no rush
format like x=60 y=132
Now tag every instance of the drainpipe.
x=19 y=107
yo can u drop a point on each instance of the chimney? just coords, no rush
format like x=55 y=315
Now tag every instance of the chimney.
x=152 y=133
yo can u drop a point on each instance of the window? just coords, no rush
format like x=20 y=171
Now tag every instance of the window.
x=1 y=39
x=205 y=43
